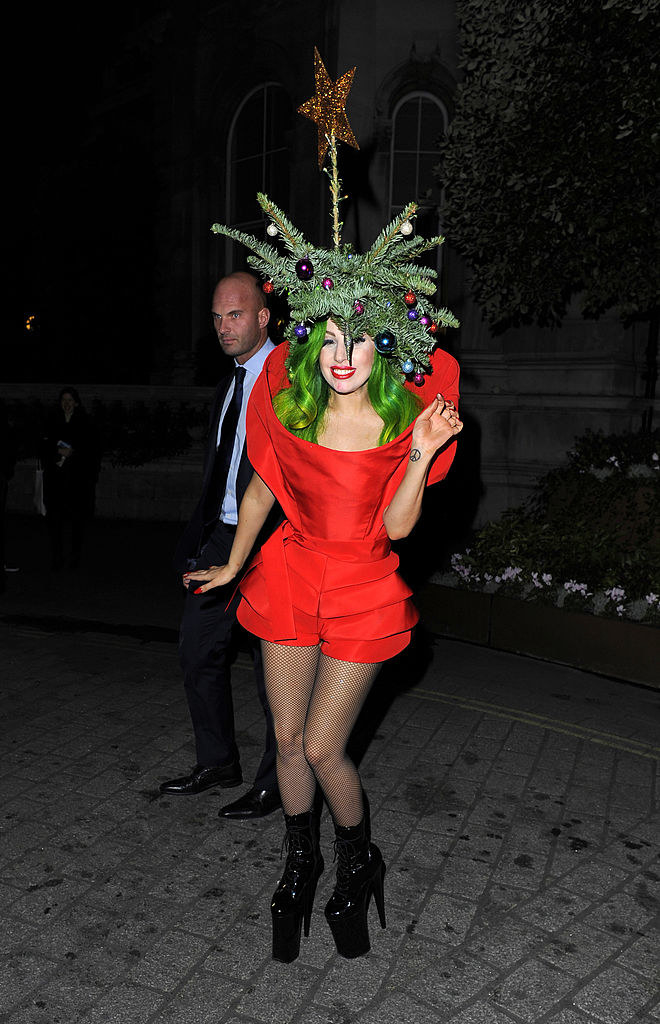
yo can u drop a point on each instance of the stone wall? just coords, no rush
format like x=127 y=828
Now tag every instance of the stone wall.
x=527 y=394
x=163 y=491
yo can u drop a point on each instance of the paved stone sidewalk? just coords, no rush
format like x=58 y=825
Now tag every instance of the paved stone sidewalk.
x=516 y=804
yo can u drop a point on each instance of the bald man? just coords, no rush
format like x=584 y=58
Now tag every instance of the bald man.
x=240 y=318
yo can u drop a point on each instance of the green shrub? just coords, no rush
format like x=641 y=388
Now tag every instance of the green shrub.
x=588 y=537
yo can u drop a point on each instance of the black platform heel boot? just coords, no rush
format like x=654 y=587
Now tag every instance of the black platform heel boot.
x=360 y=874
x=291 y=906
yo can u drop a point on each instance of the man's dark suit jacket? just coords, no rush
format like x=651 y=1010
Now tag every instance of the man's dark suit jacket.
x=191 y=540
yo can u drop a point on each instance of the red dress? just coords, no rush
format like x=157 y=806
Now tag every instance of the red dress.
x=328 y=573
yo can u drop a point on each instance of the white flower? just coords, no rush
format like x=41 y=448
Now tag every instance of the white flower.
x=547 y=578
x=615 y=593
x=577 y=588
x=652 y=598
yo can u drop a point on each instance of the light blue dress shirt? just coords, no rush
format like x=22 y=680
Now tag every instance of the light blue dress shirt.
x=253 y=367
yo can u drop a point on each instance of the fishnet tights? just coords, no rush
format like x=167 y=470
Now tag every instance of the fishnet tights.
x=315 y=701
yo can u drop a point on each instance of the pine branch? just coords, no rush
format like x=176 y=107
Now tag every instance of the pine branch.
x=293 y=239
x=263 y=249
x=390 y=234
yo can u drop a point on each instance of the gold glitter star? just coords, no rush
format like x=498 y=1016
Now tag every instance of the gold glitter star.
x=328 y=107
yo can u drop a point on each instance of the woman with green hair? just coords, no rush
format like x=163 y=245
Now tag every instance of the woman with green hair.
x=346 y=426
x=302 y=407
x=346 y=444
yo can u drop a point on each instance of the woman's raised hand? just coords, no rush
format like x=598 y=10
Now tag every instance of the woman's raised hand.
x=435 y=425
x=214 y=576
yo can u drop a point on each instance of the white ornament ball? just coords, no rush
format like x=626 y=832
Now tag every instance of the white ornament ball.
x=406 y=228
x=271 y=230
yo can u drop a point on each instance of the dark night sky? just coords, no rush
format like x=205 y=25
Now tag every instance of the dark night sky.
x=82 y=189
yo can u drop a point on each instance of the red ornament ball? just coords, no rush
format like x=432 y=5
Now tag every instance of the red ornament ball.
x=268 y=287
x=433 y=327
x=410 y=298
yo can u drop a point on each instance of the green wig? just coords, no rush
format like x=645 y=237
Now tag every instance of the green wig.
x=301 y=407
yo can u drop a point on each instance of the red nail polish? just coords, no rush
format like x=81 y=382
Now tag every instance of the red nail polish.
x=198 y=591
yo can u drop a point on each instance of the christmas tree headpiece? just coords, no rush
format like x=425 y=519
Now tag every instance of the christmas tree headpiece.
x=383 y=292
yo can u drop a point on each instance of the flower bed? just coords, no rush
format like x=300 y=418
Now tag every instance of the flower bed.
x=588 y=540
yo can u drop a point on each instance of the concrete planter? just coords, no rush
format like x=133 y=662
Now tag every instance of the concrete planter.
x=613 y=647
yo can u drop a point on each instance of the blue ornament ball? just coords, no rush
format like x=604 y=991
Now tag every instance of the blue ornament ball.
x=305 y=269
x=300 y=332
x=407 y=366
x=412 y=314
x=385 y=343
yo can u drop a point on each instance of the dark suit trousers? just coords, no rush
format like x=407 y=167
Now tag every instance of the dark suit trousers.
x=208 y=630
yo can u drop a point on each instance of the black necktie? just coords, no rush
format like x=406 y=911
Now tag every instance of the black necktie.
x=218 y=482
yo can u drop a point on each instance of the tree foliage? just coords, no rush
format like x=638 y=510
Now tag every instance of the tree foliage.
x=550 y=163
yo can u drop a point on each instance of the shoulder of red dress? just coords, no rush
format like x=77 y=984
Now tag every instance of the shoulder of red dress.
x=275 y=368
x=444 y=371
x=443 y=360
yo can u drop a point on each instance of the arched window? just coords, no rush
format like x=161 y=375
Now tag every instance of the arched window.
x=258 y=160
x=419 y=120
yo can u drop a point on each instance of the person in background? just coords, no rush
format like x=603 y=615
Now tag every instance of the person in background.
x=208 y=627
x=70 y=458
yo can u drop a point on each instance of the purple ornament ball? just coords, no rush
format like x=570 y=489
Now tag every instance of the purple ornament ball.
x=328 y=284
x=425 y=320
x=305 y=269
x=418 y=379
x=300 y=331
x=358 y=307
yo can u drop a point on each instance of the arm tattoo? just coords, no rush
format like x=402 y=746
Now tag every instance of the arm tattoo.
x=415 y=455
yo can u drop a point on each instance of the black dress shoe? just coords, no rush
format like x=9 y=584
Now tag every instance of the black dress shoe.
x=256 y=803
x=201 y=778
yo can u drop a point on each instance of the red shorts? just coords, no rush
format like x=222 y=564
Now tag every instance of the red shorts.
x=345 y=638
